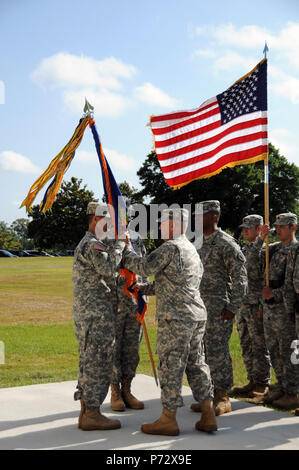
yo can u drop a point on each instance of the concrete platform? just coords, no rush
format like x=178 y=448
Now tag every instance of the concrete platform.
x=45 y=417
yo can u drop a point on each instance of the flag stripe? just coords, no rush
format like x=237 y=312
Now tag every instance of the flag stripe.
x=258 y=125
x=230 y=160
x=183 y=133
x=208 y=124
x=235 y=150
x=205 y=156
x=226 y=130
x=171 y=117
x=186 y=122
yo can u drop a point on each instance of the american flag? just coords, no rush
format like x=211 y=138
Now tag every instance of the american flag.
x=227 y=130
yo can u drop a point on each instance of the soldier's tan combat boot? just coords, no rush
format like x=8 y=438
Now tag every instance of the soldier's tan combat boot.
x=272 y=395
x=258 y=393
x=196 y=407
x=82 y=411
x=93 y=420
x=208 y=419
x=116 y=401
x=221 y=403
x=243 y=390
x=166 y=425
x=287 y=401
x=129 y=399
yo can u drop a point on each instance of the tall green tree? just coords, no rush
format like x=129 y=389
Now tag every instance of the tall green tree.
x=132 y=193
x=240 y=190
x=20 y=228
x=8 y=239
x=65 y=225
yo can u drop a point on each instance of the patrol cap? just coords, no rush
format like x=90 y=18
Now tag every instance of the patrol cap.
x=286 y=219
x=252 y=220
x=177 y=214
x=102 y=210
x=91 y=208
x=207 y=206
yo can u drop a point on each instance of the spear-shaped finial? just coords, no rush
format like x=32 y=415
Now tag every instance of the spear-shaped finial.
x=88 y=109
x=266 y=49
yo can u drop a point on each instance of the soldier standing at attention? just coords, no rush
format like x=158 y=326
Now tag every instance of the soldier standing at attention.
x=291 y=298
x=278 y=326
x=223 y=287
x=94 y=319
x=181 y=317
x=127 y=340
x=249 y=319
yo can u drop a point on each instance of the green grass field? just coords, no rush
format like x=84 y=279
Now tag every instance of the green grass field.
x=36 y=324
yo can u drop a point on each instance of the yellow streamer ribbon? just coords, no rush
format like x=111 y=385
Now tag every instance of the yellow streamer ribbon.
x=57 y=167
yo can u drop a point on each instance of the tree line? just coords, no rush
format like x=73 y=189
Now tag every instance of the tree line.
x=240 y=191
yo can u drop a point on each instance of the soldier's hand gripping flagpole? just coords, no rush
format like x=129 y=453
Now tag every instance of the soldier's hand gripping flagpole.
x=113 y=198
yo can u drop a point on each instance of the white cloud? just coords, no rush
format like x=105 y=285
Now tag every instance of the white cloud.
x=283 y=139
x=288 y=42
x=119 y=160
x=150 y=94
x=250 y=36
x=209 y=53
x=12 y=161
x=284 y=46
x=67 y=70
x=285 y=42
x=115 y=159
x=86 y=157
x=100 y=81
x=232 y=59
x=284 y=85
x=105 y=102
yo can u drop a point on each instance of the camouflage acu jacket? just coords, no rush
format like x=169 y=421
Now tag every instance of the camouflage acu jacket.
x=178 y=271
x=93 y=260
x=255 y=276
x=225 y=278
x=291 y=285
x=278 y=255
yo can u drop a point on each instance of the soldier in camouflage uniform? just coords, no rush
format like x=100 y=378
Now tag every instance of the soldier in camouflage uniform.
x=291 y=297
x=291 y=286
x=94 y=318
x=181 y=317
x=127 y=341
x=223 y=287
x=249 y=319
x=278 y=326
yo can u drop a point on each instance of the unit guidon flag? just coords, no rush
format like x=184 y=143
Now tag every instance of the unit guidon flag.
x=227 y=130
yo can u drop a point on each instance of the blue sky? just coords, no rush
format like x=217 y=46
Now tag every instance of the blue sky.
x=131 y=59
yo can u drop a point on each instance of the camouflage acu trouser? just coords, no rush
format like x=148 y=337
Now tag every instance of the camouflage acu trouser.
x=128 y=334
x=180 y=349
x=217 y=336
x=280 y=332
x=96 y=346
x=252 y=339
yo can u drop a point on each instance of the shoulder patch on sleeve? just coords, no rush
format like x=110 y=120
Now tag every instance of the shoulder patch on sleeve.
x=100 y=246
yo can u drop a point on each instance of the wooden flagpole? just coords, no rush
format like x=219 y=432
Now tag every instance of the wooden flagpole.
x=266 y=196
x=149 y=351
